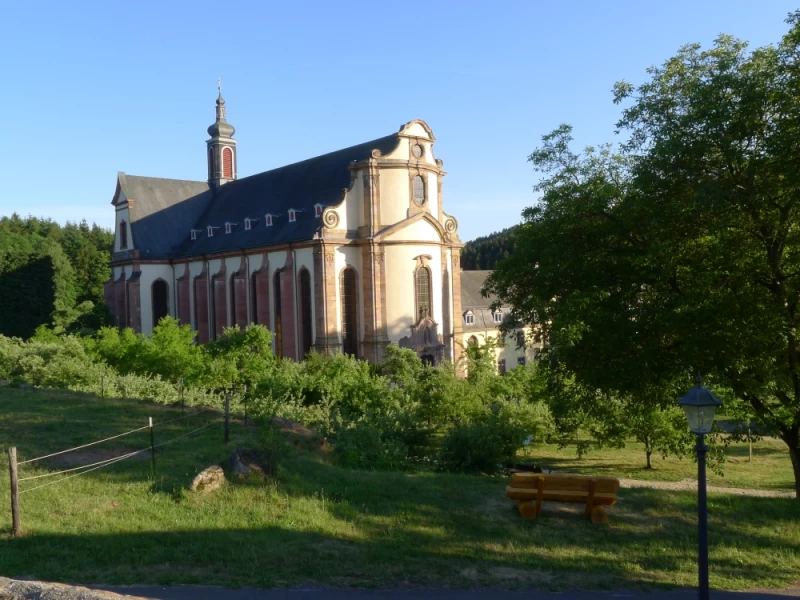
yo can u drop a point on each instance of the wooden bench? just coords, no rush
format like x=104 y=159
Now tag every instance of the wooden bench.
x=529 y=490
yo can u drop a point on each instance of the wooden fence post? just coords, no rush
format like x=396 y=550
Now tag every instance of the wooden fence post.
x=152 y=445
x=749 y=444
x=12 y=467
x=227 y=415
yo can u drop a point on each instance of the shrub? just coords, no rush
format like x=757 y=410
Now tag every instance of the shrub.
x=361 y=447
x=478 y=447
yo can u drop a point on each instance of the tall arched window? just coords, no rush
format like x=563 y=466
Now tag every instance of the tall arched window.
x=278 y=325
x=160 y=300
x=349 y=312
x=254 y=298
x=211 y=172
x=423 y=291
x=123 y=235
x=227 y=162
x=305 y=310
x=419 y=190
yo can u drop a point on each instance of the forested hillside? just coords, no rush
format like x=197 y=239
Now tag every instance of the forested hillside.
x=484 y=252
x=51 y=274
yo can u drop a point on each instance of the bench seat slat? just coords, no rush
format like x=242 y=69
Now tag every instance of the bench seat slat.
x=559 y=495
x=578 y=483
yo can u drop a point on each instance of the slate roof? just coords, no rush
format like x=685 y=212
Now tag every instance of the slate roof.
x=471 y=284
x=172 y=208
x=163 y=211
x=471 y=300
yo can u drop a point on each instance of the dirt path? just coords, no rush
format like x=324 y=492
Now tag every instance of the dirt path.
x=691 y=485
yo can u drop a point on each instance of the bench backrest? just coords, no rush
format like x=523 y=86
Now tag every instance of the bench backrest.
x=566 y=483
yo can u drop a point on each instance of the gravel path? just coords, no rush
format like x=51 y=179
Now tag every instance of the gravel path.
x=691 y=485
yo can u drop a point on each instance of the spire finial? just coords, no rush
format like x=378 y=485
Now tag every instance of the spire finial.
x=219 y=84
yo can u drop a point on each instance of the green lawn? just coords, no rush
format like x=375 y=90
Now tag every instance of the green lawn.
x=770 y=469
x=321 y=524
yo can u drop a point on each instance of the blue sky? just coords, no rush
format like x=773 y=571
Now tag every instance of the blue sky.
x=92 y=88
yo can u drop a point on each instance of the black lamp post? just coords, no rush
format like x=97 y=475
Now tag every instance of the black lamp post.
x=699 y=405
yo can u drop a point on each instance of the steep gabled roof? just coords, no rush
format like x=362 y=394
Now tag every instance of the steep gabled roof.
x=162 y=210
x=320 y=180
x=165 y=210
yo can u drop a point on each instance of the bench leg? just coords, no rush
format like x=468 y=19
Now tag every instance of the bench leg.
x=526 y=509
x=599 y=515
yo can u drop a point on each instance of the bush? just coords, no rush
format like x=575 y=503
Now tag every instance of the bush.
x=479 y=447
x=361 y=447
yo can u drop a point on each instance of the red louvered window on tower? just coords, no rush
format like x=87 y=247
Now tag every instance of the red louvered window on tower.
x=227 y=162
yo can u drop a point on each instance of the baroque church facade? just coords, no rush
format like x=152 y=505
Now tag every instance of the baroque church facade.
x=348 y=251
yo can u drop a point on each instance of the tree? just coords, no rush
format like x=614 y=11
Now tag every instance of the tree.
x=172 y=352
x=680 y=252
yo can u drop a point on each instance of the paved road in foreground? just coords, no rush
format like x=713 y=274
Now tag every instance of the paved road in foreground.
x=214 y=593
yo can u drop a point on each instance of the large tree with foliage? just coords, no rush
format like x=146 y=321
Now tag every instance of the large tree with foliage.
x=680 y=252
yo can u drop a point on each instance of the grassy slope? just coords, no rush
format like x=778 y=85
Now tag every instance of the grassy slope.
x=324 y=524
x=770 y=468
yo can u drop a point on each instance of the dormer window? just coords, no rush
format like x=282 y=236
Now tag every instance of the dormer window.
x=497 y=316
x=268 y=220
x=469 y=318
x=247 y=224
x=318 y=210
x=193 y=234
x=210 y=230
x=292 y=215
x=229 y=227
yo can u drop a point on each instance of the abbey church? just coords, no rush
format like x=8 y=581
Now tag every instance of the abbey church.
x=348 y=251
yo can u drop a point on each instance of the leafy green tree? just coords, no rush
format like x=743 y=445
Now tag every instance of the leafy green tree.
x=173 y=354
x=680 y=252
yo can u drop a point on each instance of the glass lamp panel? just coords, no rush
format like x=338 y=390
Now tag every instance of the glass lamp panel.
x=700 y=418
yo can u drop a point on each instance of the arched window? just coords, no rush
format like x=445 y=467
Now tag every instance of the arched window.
x=254 y=298
x=305 y=310
x=349 y=312
x=423 y=291
x=123 y=235
x=419 y=190
x=233 y=300
x=160 y=300
x=211 y=163
x=278 y=325
x=472 y=341
x=227 y=162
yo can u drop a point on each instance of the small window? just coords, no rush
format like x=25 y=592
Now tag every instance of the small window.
x=419 y=190
x=227 y=227
x=521 y=361
x=501 y=366
x=123 y=235
x=269 y=220
x=318 y=210
x=193 y=234
x=469 y=319
x=292 y=216
x=521 y=338
x=210 y=231
x=498 y=316
x=247 y=224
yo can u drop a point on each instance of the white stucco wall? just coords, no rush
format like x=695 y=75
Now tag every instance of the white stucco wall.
x=419 y=231
x=509 y=352
x=394 y=196
x=400 y=300
x=304 y=257
x=349 y=256
x=149 y=274
x=122 y=214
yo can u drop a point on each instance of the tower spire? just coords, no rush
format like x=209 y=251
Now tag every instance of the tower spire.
x=221 y=146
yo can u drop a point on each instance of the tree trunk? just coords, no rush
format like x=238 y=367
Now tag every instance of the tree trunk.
x=794 y=454
x=649 y=464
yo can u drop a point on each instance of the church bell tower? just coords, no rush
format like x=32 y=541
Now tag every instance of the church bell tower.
x=221 y=150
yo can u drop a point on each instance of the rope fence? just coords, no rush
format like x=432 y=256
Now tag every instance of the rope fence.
x=88 y=468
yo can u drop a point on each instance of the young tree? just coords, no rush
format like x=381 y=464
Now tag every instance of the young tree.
x=681 y=253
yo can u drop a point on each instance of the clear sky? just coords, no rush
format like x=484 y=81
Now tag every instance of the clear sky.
x=92 y=88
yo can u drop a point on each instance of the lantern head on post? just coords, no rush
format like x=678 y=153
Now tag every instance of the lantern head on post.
x=699 y=405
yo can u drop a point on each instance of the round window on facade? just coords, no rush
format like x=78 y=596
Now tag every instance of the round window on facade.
x=417 y=151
